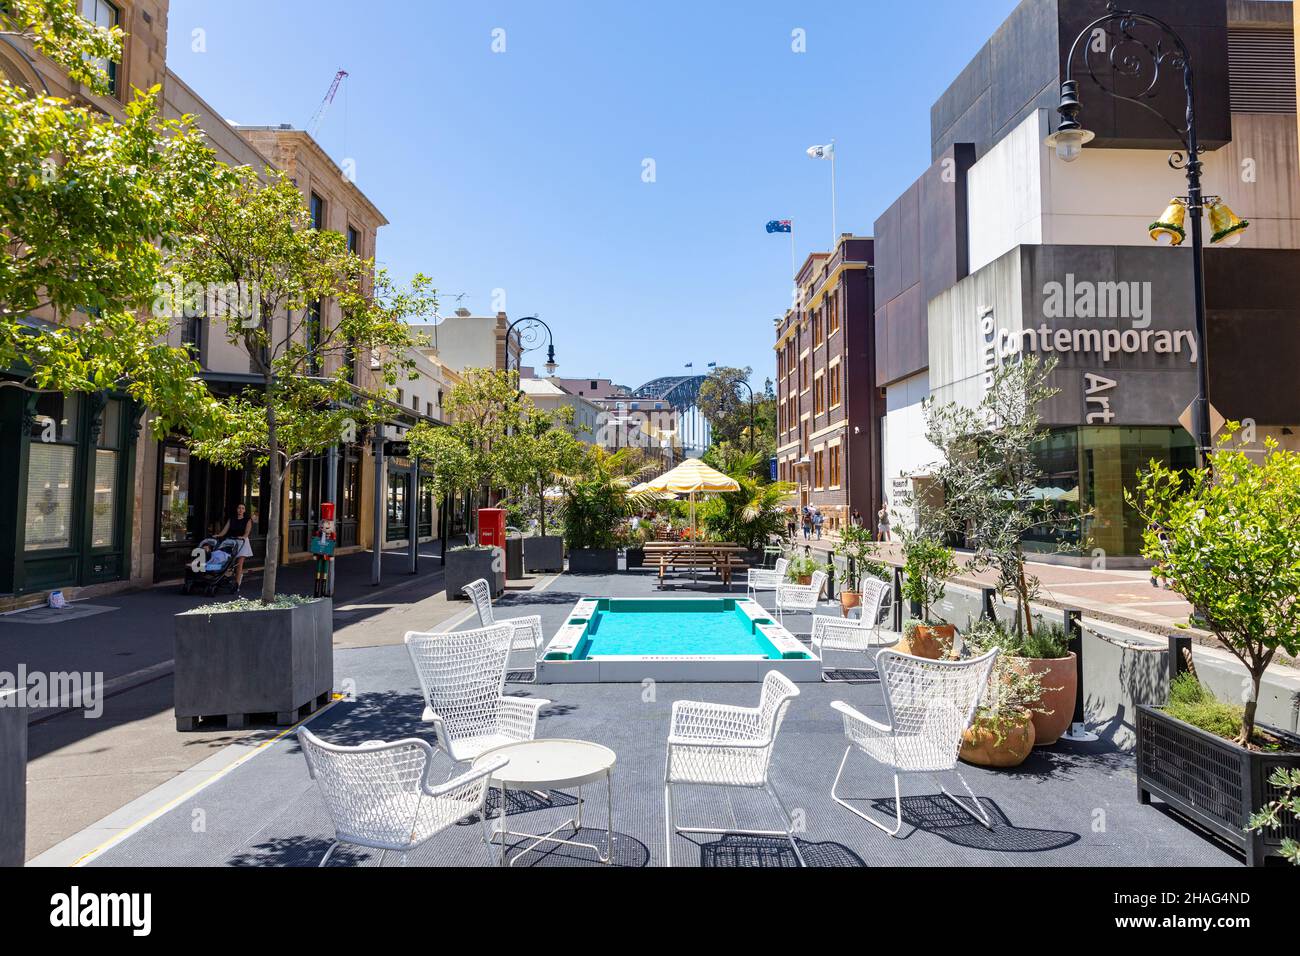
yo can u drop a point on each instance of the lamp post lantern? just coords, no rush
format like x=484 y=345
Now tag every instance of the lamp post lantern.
x=531 y=330
x=1137 y=65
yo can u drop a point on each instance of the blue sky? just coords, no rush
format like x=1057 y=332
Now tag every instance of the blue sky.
x=523 y=170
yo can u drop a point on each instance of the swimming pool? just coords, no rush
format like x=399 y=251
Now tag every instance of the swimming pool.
x=673 y=639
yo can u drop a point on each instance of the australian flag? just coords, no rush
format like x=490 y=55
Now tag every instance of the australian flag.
x=780 y=225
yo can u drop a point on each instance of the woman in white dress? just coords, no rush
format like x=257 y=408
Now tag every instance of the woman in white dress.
x=239 y=526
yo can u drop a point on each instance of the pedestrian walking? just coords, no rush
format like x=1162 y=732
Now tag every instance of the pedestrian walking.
x=817 y=523
x=882 y=522
x=239 y=526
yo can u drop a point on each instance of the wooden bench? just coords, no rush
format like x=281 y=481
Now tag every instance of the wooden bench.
x=721 y=559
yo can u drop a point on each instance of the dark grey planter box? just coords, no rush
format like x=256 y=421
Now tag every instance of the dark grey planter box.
x=545 y=553
x=514 y=558
x=278 y=661
x=593 y=560
x=470 y=564
x=635 y=558
x=13 y=779
x=1212 y=781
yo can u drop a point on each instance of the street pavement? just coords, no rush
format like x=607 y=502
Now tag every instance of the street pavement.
x=83 y=768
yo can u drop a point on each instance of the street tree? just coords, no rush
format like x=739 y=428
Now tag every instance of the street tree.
x=251 y=233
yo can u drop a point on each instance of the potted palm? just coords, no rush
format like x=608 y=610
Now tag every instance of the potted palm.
x=1226 y=539
x=596 y=501
x=928 y=565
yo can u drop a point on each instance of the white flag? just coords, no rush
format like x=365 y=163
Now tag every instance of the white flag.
x=822 y=152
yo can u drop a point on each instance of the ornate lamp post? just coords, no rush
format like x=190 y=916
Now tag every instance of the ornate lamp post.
x=530 y=337
x=1137 y=66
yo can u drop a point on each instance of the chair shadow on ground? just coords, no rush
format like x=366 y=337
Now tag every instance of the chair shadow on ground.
x=302 y=851
x=627 y=852
x=743 y=850
x=938 y=815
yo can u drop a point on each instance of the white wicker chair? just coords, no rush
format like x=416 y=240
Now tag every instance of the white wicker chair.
x=766 y=579
x=861 y=635
x=726 y=746
x=799 y=597
x=527 y=630
x=928 y=704
x=463 y=675
x=381 y=795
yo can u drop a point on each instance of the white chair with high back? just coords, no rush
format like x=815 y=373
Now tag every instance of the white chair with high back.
x=861 y=635
x=527 y=633
x=928 y=705
x=462 y=676
x=800 y=597
x=766 y=579
x=382 y=795
x=726 y=746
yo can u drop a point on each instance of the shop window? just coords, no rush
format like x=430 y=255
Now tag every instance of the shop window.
x=51 y=474
x=174 y=495
x=108 y=457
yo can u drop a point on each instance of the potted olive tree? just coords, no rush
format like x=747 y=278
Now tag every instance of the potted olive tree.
x=1226 y=537
x=1002 y=733
x=858 y=548
x=928 y=565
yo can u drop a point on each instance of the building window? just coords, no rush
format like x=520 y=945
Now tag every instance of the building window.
x=312 y=333
x=174 y=510
x=835 y=466
x=819 y=461
x=354 y=241
x=817 y=328
x=819 y=395
x=51 y=473
x=108 y=456
x=832 y=314
x=833 y=384
x=428 y=409
x=106 y=15
x=317 y=212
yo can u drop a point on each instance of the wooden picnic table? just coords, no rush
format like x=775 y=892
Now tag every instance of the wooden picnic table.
x=721 y=557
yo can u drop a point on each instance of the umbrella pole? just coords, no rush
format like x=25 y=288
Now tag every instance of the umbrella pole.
x=695 y=571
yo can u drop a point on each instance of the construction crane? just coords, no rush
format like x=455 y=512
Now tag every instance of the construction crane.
x=325 y=104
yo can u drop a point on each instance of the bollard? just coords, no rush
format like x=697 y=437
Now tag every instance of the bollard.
x=987 y=597
x=898 y=600
x=1078 y=731
x=1180 y=655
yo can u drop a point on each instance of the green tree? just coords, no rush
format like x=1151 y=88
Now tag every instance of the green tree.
x=87 y=207
x=751 y=515
x=58 y=30
x=991 y=478
x=598 y=497
x=253 y=236
x=1228 y=540
x=483 y=409
x=539 y=449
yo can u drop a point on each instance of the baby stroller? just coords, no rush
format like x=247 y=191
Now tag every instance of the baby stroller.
x=218 y=569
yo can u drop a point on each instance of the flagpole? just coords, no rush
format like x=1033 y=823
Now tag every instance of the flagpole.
x=835 y=234
x=794 y=263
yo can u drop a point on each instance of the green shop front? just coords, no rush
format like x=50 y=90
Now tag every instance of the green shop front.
x=66 y=489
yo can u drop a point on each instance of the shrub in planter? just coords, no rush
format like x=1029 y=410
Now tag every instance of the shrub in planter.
x=927 y=567
x=1282 y=812
x=858 y=548
x=596 y=503
x=248 y=657
x=1188 y=758
x=1044 y=651
x=1002 y=731
x=633 y=540
x=544 y=553
x=1225 y=538
x=802 y=568
x=468 y=564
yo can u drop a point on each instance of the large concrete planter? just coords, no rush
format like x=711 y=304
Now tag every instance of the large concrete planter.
x=277 y=662
x=1212 y=781
x=545 y=553
x=13 y=779
x=469 y=564
x=635 y=558
x=593 y=560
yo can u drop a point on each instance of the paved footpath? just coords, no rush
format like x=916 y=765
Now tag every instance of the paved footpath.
x=82 y=769
x=1121 y=596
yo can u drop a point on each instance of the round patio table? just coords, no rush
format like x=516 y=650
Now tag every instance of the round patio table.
x=552 y=764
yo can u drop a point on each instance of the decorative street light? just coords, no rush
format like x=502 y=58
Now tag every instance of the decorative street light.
x=531 y=329
x=1132 y=58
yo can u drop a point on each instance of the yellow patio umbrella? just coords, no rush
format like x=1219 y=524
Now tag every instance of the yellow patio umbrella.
x=692 y=477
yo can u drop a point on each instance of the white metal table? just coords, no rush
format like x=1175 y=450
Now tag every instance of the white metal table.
x=551 y=764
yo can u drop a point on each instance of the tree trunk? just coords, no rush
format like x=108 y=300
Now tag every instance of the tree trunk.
x=541 y=505
x=1023 y=597
x=273 y=511
x=1248 y=716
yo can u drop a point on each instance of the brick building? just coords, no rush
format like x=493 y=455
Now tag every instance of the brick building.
x=828 y=411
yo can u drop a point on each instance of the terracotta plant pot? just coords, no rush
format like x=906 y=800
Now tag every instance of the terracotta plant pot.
x=933 y=642
x=1060 y=686
x=849 y=600
x=981 y=746
x=804 y=579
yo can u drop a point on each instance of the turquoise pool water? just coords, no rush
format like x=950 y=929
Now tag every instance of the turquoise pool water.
x=694 y=628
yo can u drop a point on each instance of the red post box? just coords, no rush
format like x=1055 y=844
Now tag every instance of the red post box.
x=492 y=527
